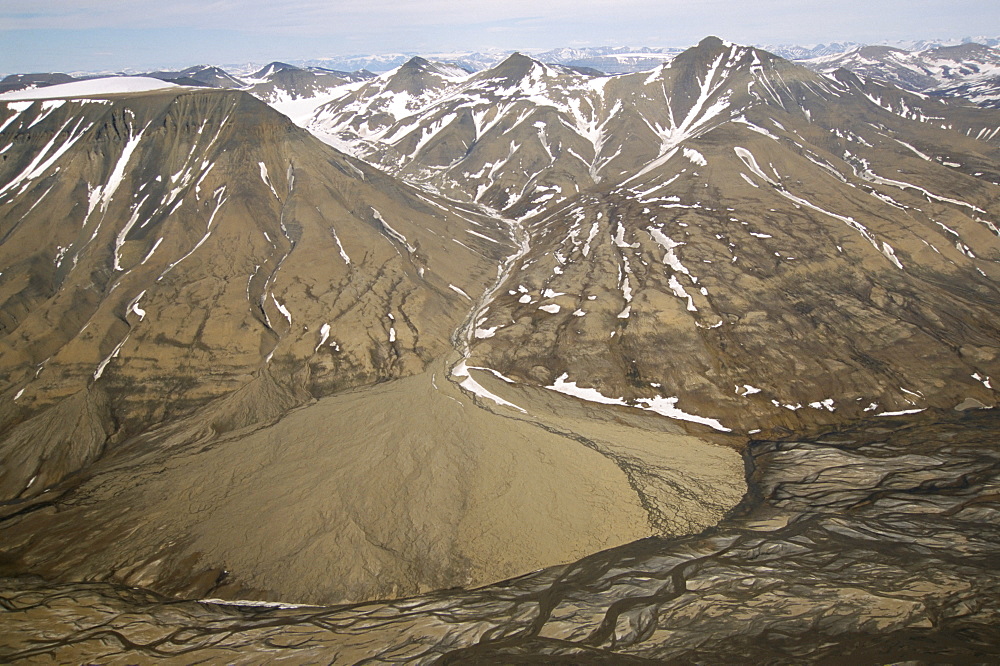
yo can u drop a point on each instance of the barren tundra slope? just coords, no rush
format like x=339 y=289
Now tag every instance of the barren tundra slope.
x=166 y=249
x=729 y=238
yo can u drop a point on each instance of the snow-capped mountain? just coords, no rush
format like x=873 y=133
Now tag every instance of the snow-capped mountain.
x=809 y=52
x=279 y=83
x=607 y=59
x=798 y=52
x=969 y=71
x=204 y=75
x=674 y=185
x=446 y=128
x=613 y=59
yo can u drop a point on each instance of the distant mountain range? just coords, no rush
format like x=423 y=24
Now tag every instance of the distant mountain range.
x=608 y=59
x=971 y=71
x=950 y=68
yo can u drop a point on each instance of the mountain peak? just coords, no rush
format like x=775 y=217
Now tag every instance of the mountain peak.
x=417 y=65
x=878 y=51
x=416 y=62
x=417 y=75
x=272 y=68
x=711 y=42
x=517 y=58
x=972 y=51
x=515 y=66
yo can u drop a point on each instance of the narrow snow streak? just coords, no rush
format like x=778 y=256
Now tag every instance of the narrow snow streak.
x=392 y=233
x=463 y=336
x=267 y=180
x=662 y=406
x=221 y=199
x=103 y=364
x=43 y=160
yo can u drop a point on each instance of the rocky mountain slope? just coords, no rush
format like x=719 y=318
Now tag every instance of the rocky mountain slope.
x=201 y=75
x=280 y=82
x=188 y=274
x=685 y=208
x=23 y=81
x=147 y=239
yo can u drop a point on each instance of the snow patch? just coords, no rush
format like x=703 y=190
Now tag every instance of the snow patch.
x=589 y=394
x=134 y=306
x=902 y=412
x=823 y=404
x=324 y=335
x=660 y=405
x=469 y=384
x=103 y=364
x=668 y=407
x=459 y=291
x=982 y=378
x=282 y=309
x=696 y=157
x=113 y=85
x=267 y=180
x=392 y=232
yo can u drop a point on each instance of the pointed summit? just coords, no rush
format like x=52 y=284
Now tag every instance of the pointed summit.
x=213 y=76
x=516 y=64
x=271 y=69
x=418 y=75
x=515 y=68
x=417 y=63
x=517 y=59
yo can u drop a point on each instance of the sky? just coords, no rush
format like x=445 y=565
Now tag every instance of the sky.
x=117 y=35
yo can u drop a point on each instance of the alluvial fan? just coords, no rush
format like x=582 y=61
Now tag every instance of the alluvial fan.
x=869 y=545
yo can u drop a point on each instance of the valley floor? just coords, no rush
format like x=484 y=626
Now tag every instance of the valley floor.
x=873 y=544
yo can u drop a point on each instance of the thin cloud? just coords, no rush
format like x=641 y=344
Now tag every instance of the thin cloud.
x=333 y=17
